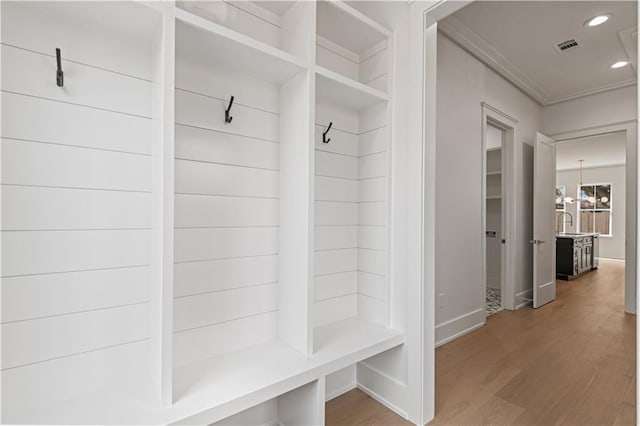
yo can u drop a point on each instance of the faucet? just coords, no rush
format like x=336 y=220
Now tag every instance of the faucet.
x=563 y=214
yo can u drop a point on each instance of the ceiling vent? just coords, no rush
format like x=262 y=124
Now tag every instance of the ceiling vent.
x=567 y=45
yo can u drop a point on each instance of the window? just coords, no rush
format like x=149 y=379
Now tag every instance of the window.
x=594 y=209
x=560 y=208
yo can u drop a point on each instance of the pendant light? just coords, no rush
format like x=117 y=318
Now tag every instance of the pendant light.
x=579 y=195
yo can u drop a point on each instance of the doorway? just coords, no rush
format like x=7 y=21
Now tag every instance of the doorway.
x=494 y=140
x=592 y=194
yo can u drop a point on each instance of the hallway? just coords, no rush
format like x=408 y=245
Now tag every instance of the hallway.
x=570 y=362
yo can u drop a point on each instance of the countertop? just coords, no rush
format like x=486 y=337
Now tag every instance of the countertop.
x=563 y=235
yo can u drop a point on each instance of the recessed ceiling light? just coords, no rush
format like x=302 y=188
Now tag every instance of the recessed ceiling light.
x=619 y=64
x=598 y=20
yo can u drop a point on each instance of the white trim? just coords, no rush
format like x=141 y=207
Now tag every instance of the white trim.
x=631 y=212
x=340 y=391
x=458 y=326
x=527 y=294
x=462 y=35
x=511 y=175
x=377 y=396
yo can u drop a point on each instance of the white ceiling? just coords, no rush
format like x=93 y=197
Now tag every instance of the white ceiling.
x=596 y=151
x=517 y=39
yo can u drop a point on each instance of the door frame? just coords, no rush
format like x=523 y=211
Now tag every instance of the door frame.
x=632 y=262
x=421 y=168
x=509 y=126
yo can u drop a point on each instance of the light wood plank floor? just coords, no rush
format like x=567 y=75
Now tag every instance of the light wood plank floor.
x=571 y=362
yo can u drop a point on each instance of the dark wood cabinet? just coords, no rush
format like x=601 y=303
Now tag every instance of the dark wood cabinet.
x=574 y=255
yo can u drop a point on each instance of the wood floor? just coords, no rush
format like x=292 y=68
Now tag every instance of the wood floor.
x=571 y=362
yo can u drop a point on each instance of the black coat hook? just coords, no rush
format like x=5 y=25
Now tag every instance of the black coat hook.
x=227 y=117
x=324 y=134
x=59 y=74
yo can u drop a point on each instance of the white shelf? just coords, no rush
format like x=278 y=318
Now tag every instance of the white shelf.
x=226 y=384
x=198 y=40
x=498 y=173
x=347 y=27
x=494 y=197
x=335 y=88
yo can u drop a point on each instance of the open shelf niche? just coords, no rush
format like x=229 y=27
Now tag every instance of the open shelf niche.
x=282 y=25
x=351 y=206
x=351 y=44
x=494 y=174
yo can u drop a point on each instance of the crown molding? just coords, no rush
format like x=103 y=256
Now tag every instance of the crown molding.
x=466 y=38
x=453 y=28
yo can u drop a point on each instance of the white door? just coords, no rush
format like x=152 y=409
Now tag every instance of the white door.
x=544 y=239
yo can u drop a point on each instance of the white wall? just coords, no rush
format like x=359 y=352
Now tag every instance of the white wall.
x=591 y=111
x=463 y=83
x=610 y=247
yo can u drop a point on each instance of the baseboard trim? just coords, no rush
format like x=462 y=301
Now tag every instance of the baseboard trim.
x=459 y=326
x=340 y=391
x=527 y=294
x=396 y=389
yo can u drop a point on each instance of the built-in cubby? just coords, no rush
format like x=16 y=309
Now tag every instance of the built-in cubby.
x=196 y=226
x=283 y=25
x=351 y=44
x=351 y=207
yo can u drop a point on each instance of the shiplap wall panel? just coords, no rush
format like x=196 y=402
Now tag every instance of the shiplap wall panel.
x=374 y=67
x=221 y=243
x=36 y=296
x=214 y=275
x=373 y=141
x=194 y=177
x=372 y=213
x=336 y=165
x=372 y=118
x=373 y=261
x=42 y=29
x=75 y=125
x=222 y=83
x=199 y=110
x=372 y=285
x=335 y=309
x=41 y=252
x=336 y=213
x=31 y=73
x=335 y=237
x=226 y=148
x=68 y=377
x=341 y=284
x=48 y=338
x=341 y=142
x=372 y=310
x=234 y=17
x=226 y=210
x=374 y=189
x=335 y=189
x=30 y=163
x=223 y=306
x=33 y=208
x=211 y=211
x=373 y=165
x=336 y=62
x=373 y=237
x=335 y=261
x=76 y=175
x=343 y=119
x=224 y=337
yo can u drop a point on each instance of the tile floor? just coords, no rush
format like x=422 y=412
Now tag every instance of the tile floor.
x=494 y=301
